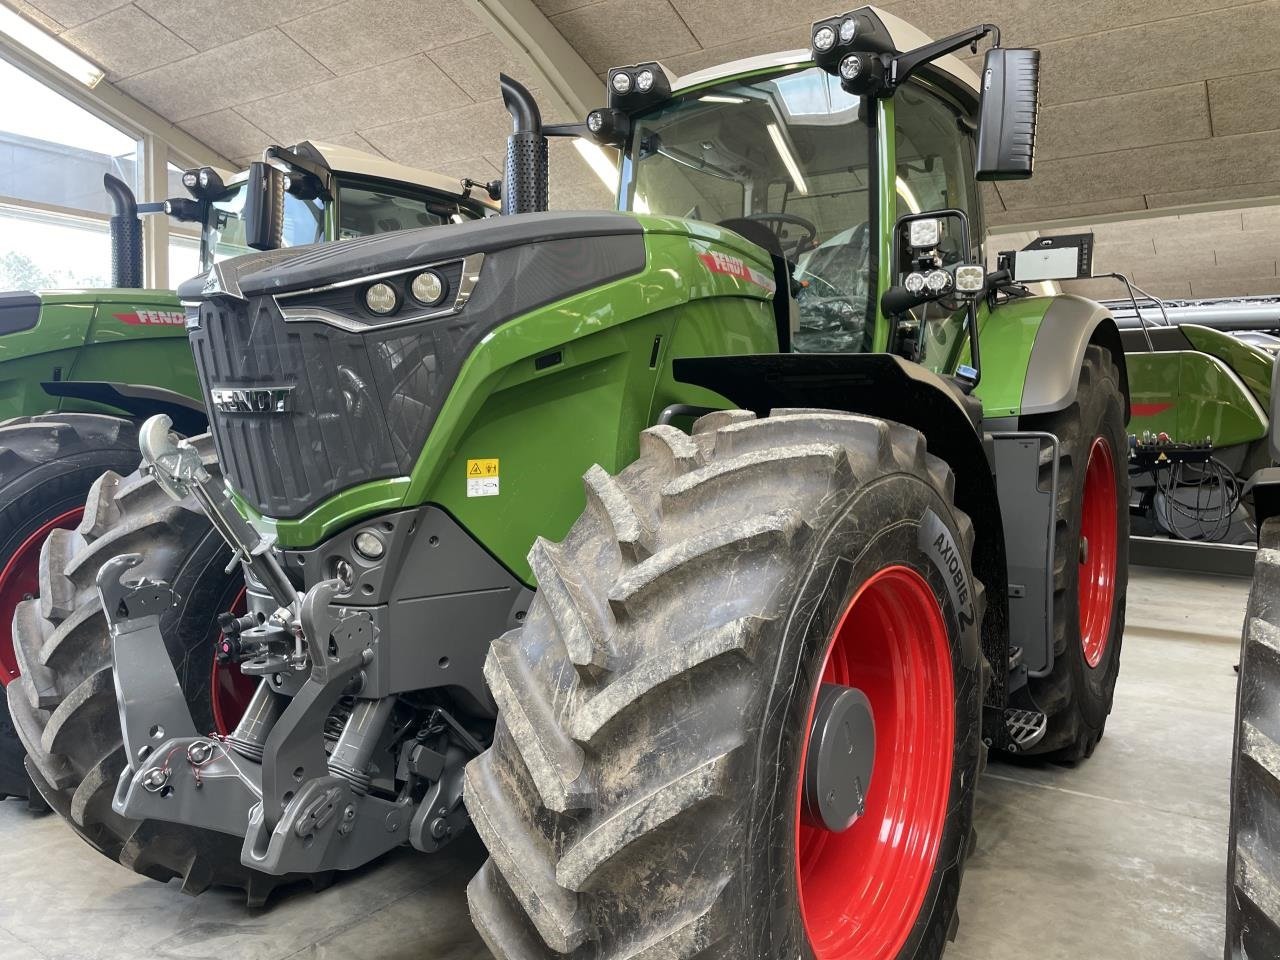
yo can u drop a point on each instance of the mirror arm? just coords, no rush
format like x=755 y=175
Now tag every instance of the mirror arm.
x=568 y=130
x=902 y=66
x=975 y=358
x=156 y=207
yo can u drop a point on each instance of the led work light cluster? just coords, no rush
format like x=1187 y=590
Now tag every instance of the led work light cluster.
x=929 y=278
x=851 y=47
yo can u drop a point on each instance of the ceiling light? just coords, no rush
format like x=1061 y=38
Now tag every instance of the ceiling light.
x=599 y=162
x=788 y=161
x=721 y=98
x=48 y=48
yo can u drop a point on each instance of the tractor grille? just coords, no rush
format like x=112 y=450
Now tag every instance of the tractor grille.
x=359 y=404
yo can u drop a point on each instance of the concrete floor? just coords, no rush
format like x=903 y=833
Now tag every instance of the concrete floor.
x=1120 y=859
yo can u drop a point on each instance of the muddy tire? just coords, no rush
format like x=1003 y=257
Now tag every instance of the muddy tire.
x=1253 y=852
x=1078 y=692
x=642 y=798
x=47 y=465
x=64 y=705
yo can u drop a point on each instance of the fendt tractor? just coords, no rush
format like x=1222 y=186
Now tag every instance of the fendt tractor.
x=82 y=369
x=817 y=511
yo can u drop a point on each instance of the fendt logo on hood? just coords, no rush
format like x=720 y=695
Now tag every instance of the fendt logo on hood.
x=153 y=318
x=718 y=262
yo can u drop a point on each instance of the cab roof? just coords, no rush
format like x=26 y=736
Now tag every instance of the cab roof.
x=905 y=37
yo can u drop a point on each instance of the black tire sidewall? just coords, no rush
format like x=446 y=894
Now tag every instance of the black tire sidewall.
x=877 y=528
x=204 y=590
x=1101 y=414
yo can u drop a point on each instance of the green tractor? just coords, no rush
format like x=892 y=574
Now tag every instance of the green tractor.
x=79 y=370
x=816 y=516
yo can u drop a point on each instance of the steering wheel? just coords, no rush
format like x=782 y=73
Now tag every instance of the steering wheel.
x=791 y=248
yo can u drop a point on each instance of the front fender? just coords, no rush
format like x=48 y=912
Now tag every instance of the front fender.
x=1032 y=351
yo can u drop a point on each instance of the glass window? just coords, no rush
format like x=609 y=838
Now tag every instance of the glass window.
x=791 y=152
x=184 y=258
x=935 y=159
x=50 y=251
x=224 y=230
x=55 y=152
x=363 y=210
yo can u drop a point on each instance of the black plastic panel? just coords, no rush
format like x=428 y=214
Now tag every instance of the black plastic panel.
x=362 y=403
x=18 y=311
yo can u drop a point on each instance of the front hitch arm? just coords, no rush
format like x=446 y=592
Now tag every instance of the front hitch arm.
x=177 y=467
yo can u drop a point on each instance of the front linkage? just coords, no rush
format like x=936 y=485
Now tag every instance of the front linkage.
x=300 y=808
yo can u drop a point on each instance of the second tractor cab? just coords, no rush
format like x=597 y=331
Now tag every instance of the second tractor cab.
x=746 y=672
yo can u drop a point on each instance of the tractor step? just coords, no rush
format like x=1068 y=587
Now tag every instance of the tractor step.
x=1025 y=728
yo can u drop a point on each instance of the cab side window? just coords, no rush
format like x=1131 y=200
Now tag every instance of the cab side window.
x=935 y=161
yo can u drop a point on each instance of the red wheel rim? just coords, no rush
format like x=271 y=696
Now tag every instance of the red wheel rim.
x=1097 y=580
x=862 y=890
x=20 y=579
x=230 y=689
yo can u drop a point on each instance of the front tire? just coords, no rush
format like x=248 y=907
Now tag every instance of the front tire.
x=64 y=704
x=643 y=794
x=1253 y=852
x=47 y=465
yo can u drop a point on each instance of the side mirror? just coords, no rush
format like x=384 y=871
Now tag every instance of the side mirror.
x=1007 y=124
x=264 y=207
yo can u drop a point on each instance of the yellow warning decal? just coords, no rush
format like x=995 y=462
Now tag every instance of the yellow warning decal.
x=482 y=468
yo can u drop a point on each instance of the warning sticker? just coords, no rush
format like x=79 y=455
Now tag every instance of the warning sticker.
x=482 y=478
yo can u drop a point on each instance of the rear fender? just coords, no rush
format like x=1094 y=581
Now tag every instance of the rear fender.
x=886 y=386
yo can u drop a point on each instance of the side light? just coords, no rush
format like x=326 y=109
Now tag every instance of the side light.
x=824 y=38
x=644 y=81
x=621 y=82
x=369 y=545
x=851 y=67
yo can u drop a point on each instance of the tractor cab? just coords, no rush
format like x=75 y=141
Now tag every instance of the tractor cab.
x=799 y=144
x=322 y=192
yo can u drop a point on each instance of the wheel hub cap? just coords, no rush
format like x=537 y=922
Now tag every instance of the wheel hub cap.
x=842 y=750
x=1098 y=552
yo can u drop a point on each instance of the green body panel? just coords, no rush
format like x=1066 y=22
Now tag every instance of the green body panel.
x=547 y=427
x=1192 y=396
x=133 y=336
x=1006 y=336
x=1251 y=364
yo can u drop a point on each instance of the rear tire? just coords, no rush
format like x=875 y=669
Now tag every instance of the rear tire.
x=642 y=796
x=1253 y=852
x=64 y=704
x=1078 y=692
x=47 y=465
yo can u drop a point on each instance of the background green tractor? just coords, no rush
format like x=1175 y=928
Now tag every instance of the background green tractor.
x=744 y=711
x=79 y=370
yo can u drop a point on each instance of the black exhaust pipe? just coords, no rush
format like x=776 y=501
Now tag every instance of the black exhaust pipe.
x=524 y=184
x=126 y=234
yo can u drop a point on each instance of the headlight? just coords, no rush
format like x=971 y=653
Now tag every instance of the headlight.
x=621 y=82
x=924 y=234
x=595 y=121
x=850 y=67
x=937 y=281
x=189 y=179
x=824 y=38
x=914 y=282
x=970 y=278
x=369 y=546
x=644 y=81
x=203 y=178
x=848 y=29
x=381 y=299
x=427 y=288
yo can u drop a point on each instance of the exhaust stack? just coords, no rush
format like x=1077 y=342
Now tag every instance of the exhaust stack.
x=524 y=184
x=126 y=234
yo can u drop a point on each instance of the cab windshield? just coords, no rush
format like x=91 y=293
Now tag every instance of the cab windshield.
x=224 y=229
x=794 y=153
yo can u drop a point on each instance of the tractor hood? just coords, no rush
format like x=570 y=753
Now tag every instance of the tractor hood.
x=310 y=391
x=326 y=265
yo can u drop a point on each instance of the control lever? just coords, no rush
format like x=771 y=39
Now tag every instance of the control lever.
x=177 y=468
